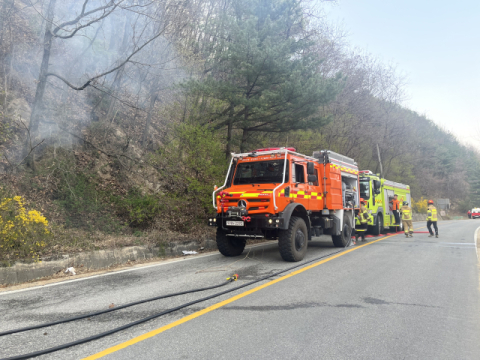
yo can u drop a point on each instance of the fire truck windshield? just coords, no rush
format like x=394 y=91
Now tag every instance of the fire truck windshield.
x=260 y=172
x=365 y=188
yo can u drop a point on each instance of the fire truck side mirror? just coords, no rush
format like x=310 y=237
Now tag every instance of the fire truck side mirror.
x=312 y=178
x=377 y=185
x=310 y=169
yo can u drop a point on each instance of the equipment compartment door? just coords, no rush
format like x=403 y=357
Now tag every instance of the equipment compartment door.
x=334 y=187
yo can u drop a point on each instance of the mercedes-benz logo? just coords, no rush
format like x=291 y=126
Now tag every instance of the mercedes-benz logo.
x=242 y=204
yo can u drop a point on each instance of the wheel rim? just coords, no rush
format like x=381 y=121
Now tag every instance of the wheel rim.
x=299 y=240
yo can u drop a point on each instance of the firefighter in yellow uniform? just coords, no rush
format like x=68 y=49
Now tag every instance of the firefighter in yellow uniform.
x=432 y=219
x=364 y=218
x=407 y=219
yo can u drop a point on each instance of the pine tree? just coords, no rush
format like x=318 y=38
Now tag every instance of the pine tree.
x=474 y=182
x=261 y=75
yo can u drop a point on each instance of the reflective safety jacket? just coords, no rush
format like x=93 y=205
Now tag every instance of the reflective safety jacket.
x=432 y=213
x=364 y=217
x=406 y=212
x=363 y=213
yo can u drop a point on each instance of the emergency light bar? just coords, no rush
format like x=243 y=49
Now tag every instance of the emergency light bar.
x=276 y=148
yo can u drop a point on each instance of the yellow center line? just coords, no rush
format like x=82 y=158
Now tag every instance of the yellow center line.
x=223 y=303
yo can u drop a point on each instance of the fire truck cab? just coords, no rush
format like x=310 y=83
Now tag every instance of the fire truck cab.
x=279 y=194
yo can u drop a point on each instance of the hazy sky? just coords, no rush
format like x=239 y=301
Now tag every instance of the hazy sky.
x=436 y=44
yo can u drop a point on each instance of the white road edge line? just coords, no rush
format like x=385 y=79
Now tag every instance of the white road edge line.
x=122 y=271
x=475 y=238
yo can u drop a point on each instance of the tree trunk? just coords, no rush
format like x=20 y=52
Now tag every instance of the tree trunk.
x=113 y=101
x=244 y=141
x=3 y=14
x=245 y=131
x=7 y=7
x=153 y=99
x=229 y=133
x=42 y=82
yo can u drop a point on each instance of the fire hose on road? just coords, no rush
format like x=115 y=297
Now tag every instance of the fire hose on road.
x=126 y=326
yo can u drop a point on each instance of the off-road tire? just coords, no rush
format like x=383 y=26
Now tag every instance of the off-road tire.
x=293 y=242
x=229 y=245
x=344 y=238
x=377 y=229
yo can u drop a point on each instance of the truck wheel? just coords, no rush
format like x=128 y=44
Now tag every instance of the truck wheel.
x=377 y=229
x=344 y=238
x=293 y=242
x=229 y=245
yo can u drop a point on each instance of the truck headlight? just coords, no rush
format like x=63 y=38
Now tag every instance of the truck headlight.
x=270 y=221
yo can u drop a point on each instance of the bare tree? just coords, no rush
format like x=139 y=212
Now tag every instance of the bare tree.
x=163 y=17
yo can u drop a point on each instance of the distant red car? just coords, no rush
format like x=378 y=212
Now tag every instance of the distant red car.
x=475 y=213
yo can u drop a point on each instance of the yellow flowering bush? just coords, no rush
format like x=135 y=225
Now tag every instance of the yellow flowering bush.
x=23 y=234
x=420 y=206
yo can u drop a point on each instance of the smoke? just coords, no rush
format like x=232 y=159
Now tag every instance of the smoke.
x=86 y=47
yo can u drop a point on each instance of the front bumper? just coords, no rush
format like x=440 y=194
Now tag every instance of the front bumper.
x=250 y=223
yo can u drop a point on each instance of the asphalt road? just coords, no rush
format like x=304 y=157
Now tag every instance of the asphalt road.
x=395 y=298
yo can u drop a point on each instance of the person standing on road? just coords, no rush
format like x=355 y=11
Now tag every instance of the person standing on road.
x=395 y=207
x=469 y=213
x=363 y=217
x=407 y=219
x=432 y=219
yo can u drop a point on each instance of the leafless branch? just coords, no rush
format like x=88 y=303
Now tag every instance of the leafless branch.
x=82 y=15
x=89 y=81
